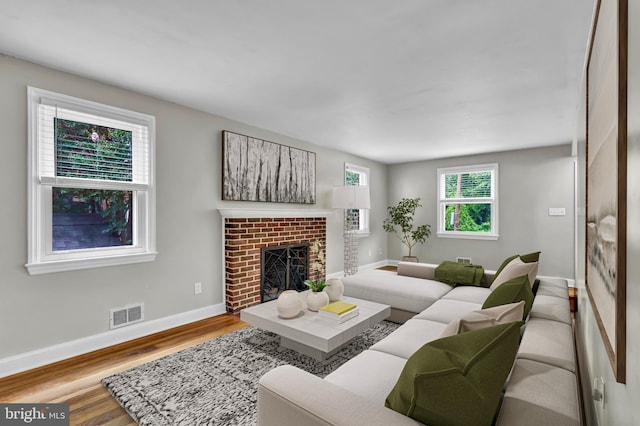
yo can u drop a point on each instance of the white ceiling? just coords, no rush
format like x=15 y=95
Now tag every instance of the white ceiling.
x=393 y=81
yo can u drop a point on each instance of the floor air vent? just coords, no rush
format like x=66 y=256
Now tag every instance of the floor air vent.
x=119 y=317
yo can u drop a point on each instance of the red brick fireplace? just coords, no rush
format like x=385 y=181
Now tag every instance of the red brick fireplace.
x=247 y=231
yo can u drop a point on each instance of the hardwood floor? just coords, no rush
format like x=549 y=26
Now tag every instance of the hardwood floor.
x=76 y=381
x=392 y=268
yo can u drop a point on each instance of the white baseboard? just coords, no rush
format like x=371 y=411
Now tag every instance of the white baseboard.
x=29 y=360
x=374 y=265
x=361 y=268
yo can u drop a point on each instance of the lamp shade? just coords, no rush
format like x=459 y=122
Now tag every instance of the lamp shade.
x=351 y=197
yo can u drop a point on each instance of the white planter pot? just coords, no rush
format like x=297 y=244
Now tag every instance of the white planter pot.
x=334 y=288
x=316 y=300
x=289 y=304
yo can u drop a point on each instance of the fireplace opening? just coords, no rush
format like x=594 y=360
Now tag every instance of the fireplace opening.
x=283 y=268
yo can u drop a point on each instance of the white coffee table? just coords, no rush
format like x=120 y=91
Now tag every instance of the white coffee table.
x=310 y=334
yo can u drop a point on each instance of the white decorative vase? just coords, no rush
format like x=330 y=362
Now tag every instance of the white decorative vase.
x=334 y=288
x=289 y=304
x=316 y=300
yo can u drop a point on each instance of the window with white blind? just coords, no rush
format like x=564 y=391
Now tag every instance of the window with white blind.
x=468 y=202
x=91 y=184
x=358 y=175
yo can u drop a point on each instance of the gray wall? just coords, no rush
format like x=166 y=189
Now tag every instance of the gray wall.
x=621 y=400
x=40 y=311
x=530 y=181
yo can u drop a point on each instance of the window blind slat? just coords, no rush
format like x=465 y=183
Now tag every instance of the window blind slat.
x=467 y=185
x=66 y=152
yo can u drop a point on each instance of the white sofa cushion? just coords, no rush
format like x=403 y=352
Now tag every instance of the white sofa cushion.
x=410 y=337
x=539 y=394
x=469 y=293
x=290 y=396
x=398 y=291
x=550 y=342
x=446 y=310
x=552 y=308
x=371 y=374
x=551 y=290
x=553 y=282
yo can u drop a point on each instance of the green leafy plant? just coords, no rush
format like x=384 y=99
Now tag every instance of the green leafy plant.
x=316 y=286
x=317 y=267
x=399 y=222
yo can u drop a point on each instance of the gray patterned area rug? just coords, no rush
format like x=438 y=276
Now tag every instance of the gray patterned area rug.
x=215 y=383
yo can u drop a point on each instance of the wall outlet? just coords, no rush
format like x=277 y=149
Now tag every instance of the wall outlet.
x=197 y=288
x=463 y=260
x=557 y=211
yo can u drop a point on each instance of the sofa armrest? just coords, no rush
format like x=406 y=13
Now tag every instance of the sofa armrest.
x=290 y=396
x=417 y=270
x=488 y=276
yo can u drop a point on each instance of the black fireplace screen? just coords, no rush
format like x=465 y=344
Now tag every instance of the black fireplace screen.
x=283 y=268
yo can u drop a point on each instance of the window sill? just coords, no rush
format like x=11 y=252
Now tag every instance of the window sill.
x=468 y=236
x=77 y=264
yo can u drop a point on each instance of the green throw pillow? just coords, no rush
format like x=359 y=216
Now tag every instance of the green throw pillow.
x=457 y=380
x=531 y=257
x=526 y=258
x=514 y=290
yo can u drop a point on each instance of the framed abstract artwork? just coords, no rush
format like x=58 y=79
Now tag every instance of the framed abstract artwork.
x=606 y=202
x=257 y=170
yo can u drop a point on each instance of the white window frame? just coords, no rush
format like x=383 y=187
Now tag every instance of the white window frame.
x=363 y=225
x=41 y=179
x=493 y=200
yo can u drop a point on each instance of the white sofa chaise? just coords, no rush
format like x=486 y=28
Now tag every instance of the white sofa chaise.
x=542 y=387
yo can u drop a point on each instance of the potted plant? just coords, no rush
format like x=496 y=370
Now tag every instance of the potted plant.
x=317 y=298
x=399 y=222
x=316 y=286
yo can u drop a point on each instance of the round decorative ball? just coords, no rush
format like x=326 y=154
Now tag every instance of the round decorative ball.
x=316 y=300
x=334 y=288
x=289 y=304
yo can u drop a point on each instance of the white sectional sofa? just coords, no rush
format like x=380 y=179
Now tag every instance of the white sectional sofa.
x=542 y=388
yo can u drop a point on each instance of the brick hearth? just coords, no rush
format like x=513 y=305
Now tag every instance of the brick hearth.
x=244 y=237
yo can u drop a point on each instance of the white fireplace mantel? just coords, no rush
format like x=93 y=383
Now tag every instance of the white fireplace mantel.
x=273 y=213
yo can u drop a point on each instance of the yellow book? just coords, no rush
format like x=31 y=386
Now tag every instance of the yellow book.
x=339 y=307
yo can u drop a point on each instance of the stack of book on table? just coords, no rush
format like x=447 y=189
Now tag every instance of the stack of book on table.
x=338 y=311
